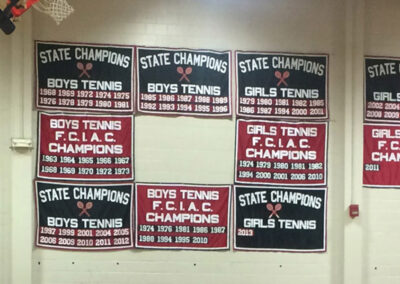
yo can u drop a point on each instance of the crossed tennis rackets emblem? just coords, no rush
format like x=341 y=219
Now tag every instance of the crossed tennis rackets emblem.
x=84 y=68
x=184 y=73
x=84 y=207
x=274 y=209
x=282 y=77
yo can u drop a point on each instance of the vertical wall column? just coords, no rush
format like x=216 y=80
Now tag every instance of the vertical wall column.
x=354 y=54
x=21 y=160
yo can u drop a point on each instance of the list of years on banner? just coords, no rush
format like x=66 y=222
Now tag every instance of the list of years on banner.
x=280 y=219
x=382 y=90
x=84 y=216
x=278 y=85
x=184 y=81
x=84 y=77
x=85 y=147
x=281 y=152
x=381 y=155
x=182 y=216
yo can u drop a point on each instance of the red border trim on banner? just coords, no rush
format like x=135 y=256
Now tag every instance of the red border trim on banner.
x=35 y=181
x=83 y=110
x=228 y=230
x=365 y=90
x=324 y=249
x=173 y=113
x=86 y=179
x=274 y=116
x=363 y=169
x=283 y=184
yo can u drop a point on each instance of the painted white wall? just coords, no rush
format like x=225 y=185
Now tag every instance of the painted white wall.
x=16 y=167
x=5 y=181
x=199 y=150
x=381 y=228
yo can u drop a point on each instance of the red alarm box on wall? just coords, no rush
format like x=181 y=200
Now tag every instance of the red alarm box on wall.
x=354 y=210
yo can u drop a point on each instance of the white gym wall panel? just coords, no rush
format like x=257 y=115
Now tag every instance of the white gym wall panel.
x=5 y=181
x=201 y=150
x=381 y=207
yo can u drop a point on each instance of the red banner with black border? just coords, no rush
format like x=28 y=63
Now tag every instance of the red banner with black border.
x=85 y=147
x=281 y=153
x=381 y=165
x=180 y=216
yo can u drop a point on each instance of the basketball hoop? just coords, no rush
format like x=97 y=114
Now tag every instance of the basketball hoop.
x=58 y=10
x=6 y=15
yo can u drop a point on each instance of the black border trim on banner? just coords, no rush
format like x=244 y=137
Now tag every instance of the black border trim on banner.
x=228 y=217
x=366 y=120
x=174 y=113
x=323 y=250
x=376 y=185
x=83 y=110
x=283 y=184
x=132 y=246
x=133 y=168
x=255 y=116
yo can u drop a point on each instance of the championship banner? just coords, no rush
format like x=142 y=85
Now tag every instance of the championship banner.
x=381 y=155
x=84 y=77
x=280 y=219
x=183 y=81
x=281 y=85
x=85 y=147
x=382 y=89
x=177 y=216
x=281 y=153
x=84 y=216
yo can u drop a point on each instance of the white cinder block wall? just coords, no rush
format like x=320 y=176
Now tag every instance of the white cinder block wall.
x=198 y=150
x=381 y=226
x=5 y=182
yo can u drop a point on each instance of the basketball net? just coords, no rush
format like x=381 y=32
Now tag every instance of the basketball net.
x=58 y=10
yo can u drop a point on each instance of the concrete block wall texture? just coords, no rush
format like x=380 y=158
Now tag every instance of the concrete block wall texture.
x=5 y=208
x=380 y=229
x=200 y=150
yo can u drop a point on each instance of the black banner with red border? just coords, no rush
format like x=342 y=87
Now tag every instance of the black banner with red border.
x=178 y=216
x=86 y=216
x=84 y=77
x=279 y=219
x=381 y=155
x=281 y=85
x=85 y=147
x=382 y=90
x=183 y=81
x=281 y=153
